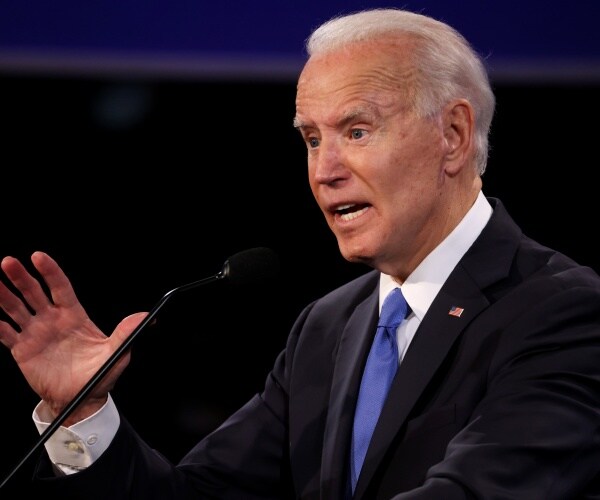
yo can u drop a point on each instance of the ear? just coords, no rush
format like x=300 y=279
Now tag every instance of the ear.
x=459 y=123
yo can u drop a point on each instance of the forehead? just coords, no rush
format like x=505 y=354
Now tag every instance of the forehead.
x=366 y=74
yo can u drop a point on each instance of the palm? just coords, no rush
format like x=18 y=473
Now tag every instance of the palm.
x=58 y=347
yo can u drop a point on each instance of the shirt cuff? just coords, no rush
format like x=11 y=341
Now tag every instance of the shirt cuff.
x=78 y=446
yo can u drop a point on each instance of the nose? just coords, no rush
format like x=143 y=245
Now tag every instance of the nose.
x=328 y=164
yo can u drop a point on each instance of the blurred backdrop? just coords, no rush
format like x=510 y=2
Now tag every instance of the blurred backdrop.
x=145 y=142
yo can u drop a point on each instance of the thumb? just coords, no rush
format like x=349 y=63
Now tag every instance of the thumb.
x=127 y=325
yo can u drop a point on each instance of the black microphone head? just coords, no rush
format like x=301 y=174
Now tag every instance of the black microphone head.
x=253 y=266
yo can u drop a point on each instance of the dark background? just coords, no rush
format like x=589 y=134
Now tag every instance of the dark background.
x=143 y=179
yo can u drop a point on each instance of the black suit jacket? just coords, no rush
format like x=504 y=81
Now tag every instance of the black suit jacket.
x=502 y=402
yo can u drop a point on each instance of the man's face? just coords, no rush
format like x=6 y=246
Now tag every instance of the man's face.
x=374 y=167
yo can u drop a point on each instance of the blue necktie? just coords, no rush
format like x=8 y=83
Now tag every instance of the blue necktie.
x=380 y=369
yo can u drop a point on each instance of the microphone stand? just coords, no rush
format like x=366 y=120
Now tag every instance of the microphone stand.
x=108 y=364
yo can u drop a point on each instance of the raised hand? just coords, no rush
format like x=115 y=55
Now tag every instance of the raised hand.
x=54 y=342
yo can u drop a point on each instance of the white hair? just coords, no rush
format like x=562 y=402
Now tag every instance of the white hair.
x=447 y=65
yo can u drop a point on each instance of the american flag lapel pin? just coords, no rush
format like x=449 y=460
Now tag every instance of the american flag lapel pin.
x=455 y=311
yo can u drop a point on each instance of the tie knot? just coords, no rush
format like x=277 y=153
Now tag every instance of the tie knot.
x=394 y=309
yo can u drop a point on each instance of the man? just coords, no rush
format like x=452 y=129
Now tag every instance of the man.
x=497 y=380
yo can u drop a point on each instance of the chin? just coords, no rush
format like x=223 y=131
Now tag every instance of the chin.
x=356 y=255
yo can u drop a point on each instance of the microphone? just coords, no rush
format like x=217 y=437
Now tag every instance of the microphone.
x=248 y=267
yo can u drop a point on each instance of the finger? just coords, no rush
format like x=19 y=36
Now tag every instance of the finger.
x=8 y=335
x=29 y=288
x=58 y=283
x=127 y=326
x=13 y=306
x=10 y=302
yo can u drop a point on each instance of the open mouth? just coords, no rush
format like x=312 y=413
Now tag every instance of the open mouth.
x=351 y=211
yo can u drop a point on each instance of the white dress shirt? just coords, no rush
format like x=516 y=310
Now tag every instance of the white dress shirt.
x=424 y=283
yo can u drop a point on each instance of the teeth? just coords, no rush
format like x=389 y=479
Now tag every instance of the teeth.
x=344 y=207
x=353 y=215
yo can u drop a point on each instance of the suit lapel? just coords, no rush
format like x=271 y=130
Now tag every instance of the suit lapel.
x=352 y=352
x=486 y=262
x=431 y=344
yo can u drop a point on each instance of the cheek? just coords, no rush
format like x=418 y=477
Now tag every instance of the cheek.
x=409 y=183
x=419 y=165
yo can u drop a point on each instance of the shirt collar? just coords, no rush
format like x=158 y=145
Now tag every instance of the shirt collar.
x=424 y=283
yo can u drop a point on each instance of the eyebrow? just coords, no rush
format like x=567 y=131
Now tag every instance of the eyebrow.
x=298 y=123
x=355 y=113
x=347 y=117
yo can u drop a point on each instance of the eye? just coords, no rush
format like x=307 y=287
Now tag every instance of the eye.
x=312 y=142
x=357 y=133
